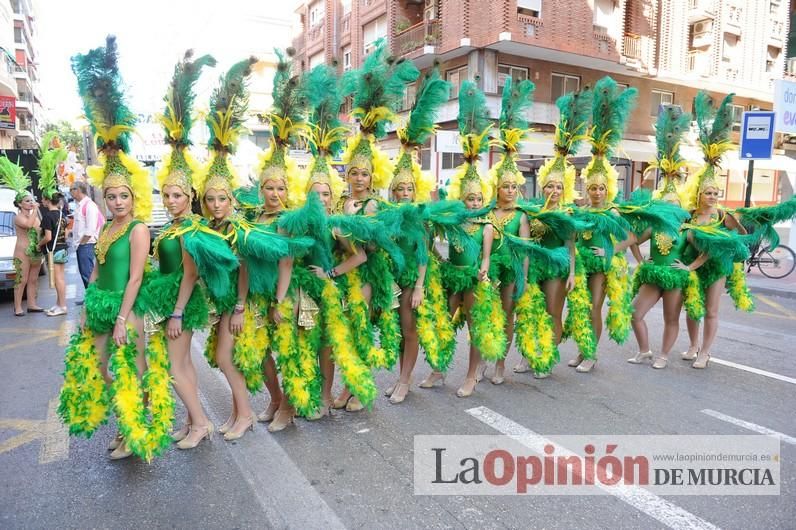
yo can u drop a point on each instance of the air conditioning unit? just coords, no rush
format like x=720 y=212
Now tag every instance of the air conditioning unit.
x=430 y=13
x=791 y=65
x=703 y=27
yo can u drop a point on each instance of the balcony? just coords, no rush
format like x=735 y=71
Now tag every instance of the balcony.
x=345 y=27
x=631 y=47
x=314 y=36
x=418 y=37
x=700 y=10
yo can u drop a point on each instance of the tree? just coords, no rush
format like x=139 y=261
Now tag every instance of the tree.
x=69 y=136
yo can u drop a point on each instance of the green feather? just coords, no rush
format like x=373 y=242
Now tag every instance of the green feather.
x=574 y=118
x=714 y=123
x=611 y=108
x=213 y=256
x=321 y=91
x=13 y=176
x=763 y=218
x=180 y=96
x=517 y=100
x=432 y=92
x=99 y=84
x=380 y=82
x=643 y=213
x=473 y=113
x=231 y=93
x=49 y=158
x=289 y=102
x=669 y=130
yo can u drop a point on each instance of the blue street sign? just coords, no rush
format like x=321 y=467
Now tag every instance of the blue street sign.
x=757 y=135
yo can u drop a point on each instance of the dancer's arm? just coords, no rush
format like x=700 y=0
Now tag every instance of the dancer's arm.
x=139 y=249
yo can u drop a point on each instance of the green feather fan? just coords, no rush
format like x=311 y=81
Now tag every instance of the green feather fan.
x=49 y=158
x=100 y=87
x=611 y=108
x=289 y=105
x=177 y=116
x=431 y=93
x=13 y=176
x=228 y=105
x=714 y=124
x=517 y=99
x=321 y=91
x=669 y=130
x=379 y=83
x=575 y=109
x=763 y=218
x=473 y=113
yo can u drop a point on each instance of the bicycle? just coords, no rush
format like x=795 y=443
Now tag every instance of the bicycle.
x=773 y=263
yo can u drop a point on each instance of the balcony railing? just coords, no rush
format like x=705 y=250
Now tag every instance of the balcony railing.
x=632 y=46
x=423 y=34
x=315 y=33
x=529 y=25
x=345 y=23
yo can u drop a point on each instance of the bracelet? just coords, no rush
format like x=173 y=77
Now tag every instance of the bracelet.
x=419 y=286
x=176 y=317
x=121 y=318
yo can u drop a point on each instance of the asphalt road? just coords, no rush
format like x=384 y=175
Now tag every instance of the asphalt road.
x=356 y=470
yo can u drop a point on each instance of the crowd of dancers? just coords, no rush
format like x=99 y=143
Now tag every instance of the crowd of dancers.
x=309 y=273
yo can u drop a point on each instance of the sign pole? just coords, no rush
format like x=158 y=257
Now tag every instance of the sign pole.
x=747 y=202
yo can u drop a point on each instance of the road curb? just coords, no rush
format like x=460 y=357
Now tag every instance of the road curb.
x=773 y=291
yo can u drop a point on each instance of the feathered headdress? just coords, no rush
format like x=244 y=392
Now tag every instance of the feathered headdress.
x=572 y=128
x=50 y=155
x=320 y=88
x=670 y=127
x=287 y=121
x=99 y=84
x=432 y=91
x=378 y=89
x=714 y=140
x=13 y=176
x=611 y=108
x=474 y=126
x=179 y=167
x=513 y=125
x=228 y=105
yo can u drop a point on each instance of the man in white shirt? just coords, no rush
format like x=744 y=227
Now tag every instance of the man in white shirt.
x=88 y=222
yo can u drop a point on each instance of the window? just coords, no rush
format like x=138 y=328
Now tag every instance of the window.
x=772 y=58
x=730 y=48
x=516 y=74
x=456 y=77
x=317 y=59
x=346 y=6
x=603 y=15
x=409 y=96
x=773 y=6
x=317 y=11
x=564 y=84
x=373 y=31
x=623 y=86
x=348 y=105
x=659 y=97
x=452 y=160
x=347 y=58
x=425 y=159
x=737 y=116
x=18 y=36
x=531 y=8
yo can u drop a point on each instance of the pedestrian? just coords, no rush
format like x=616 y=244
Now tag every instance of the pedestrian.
x=88 y=222
x=27 y=258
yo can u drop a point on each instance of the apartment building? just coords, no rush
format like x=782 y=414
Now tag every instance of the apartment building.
x=667 y=49
x=30 y=112
x=8 y=85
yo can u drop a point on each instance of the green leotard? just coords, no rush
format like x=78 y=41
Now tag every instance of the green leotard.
x=458 y=273
x=500 y=260
x=663 y=252
x=103 y=298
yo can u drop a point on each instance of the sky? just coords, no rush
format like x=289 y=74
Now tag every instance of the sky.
x=152 y=35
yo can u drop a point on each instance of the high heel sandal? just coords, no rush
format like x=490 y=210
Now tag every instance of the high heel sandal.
x=660 y=362
x=480 y=372
x=702 y=361
x=399 y=395
x=586 y=365
x=282 y=419
x=322 y=412
x=498 y=378
x=268 y=414
x=390 y=389
x=574 y=363
x=116 y=442
x=224 y=429
x=432 y=379
x=232 y=435
x=188 y=444
x=354 y=404
x=465 y=390
x=688 y=355
x=176 y=436
x=121 y=452
x=640 y=357
x=522 y=367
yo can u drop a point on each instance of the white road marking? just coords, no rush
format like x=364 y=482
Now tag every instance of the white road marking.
x=289 y=502
x=650 y=504
x=55 y=444
x=753 y=370
x=750 y=426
